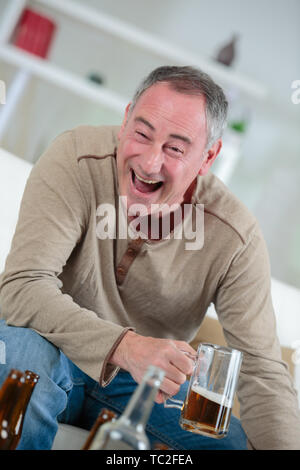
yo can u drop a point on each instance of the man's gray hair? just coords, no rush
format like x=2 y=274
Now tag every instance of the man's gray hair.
x=192 y=81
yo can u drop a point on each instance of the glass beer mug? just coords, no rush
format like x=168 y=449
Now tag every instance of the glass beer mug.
x=210 y=396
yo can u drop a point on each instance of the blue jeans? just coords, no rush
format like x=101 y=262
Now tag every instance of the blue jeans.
x=66 y=394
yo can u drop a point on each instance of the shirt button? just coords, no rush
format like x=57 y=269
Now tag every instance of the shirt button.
x=131 y=252
x=136 y=242
x=121 y=271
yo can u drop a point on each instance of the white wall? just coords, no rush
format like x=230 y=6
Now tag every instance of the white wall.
x=269 y=31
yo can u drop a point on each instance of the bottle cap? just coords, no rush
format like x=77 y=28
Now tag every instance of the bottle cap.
x=31 y=377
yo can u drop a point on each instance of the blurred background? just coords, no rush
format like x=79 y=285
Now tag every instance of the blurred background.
x=80 y=61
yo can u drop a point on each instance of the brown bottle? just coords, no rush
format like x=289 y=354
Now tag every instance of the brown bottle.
x=14 y=397
x=104 y=416
x=160 y=446
x=31 y=379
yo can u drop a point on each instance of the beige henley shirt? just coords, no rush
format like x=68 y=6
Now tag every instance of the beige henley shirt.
x=83 y=293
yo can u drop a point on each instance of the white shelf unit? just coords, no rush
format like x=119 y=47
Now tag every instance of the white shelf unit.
x=62 y=78
x=105 y=23
x=79 y=13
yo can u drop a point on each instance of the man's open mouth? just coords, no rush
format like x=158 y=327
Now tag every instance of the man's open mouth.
x=144 y=185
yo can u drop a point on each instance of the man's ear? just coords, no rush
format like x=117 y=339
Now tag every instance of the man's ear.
x=124 y=121
x=210 y=157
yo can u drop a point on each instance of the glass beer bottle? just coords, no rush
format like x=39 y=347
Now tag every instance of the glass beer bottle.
x=104 y=417
x=31 y=379
x=128 y=432
x=14 y=398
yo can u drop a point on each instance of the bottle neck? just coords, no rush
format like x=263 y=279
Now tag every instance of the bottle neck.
x=10 y=394
x=14 y=397
x=24 y=397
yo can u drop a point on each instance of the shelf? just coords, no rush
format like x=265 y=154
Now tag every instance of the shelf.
x=49 y=72
x=139 y=38
x=227 y=77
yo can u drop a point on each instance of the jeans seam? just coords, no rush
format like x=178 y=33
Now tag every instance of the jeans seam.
x=67 y=390
x=165 y=439
x=77 y=381
x=66 y=387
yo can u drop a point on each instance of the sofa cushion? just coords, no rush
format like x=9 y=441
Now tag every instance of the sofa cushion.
x=13 y=176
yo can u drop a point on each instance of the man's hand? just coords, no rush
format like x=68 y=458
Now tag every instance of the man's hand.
x=135 y=353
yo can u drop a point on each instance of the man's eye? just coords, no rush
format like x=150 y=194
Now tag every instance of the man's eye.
x=175 y=149
x=142 y=134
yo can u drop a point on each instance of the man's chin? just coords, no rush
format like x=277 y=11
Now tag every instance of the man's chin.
x=142 y=207
x=155 y=210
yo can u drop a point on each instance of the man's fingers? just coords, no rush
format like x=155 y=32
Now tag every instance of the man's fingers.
x=183 y=362
x=175 y=375
x=168 y=387
x=135 y=353
x=183 y=346
x=160 y=397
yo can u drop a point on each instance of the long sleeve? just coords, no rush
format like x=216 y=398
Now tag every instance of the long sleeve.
x=269 y=408
x=53 y=219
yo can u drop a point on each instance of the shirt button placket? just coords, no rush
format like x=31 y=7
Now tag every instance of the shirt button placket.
x=128 y=258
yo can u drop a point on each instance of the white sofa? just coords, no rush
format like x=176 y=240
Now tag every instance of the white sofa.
x=13 y=175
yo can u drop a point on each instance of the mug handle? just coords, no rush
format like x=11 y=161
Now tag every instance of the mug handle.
x=167 y=405
x=179 y=404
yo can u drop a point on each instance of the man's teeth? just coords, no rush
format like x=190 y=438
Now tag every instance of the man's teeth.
x=146 y=181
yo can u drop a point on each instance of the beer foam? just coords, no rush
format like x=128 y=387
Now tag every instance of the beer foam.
x=213 y=396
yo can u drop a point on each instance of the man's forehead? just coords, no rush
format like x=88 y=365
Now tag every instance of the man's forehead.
x=167 y=91
x=160 y=100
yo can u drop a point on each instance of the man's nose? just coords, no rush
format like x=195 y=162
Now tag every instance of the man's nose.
x=152 y=161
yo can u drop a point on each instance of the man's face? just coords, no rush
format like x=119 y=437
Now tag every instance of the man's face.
x=162 y=147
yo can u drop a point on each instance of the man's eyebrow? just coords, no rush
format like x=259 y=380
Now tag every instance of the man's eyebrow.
x=175 y=136
x=181 y=137
x=144 y=121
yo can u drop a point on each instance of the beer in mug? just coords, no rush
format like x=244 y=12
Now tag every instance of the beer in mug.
x=208 y=403
x=206 y=412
